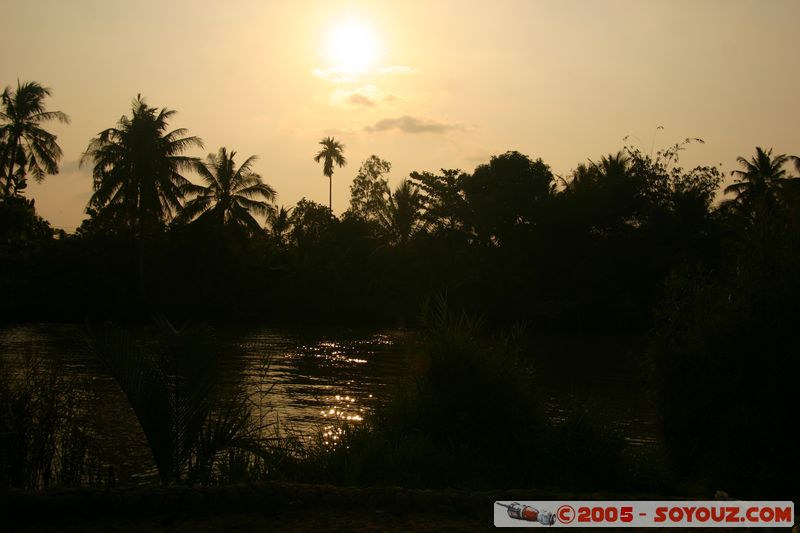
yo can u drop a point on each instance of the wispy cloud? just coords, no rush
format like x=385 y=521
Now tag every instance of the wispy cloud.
x=367 y=96
x=478 y=158
x=350 y=75
x=334 y=74
x=409 y=124
x=398 y=69
x=361 y=99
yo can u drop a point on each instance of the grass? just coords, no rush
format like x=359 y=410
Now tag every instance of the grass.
x=45 y=435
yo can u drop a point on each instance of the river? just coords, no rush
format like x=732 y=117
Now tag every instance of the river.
x=312 y=380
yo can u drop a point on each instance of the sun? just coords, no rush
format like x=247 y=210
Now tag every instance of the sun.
x=352 y=46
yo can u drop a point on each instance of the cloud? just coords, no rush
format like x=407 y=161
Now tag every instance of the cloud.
x=398 y=69
x=478 y=159
x=409 y=124
x=367 y=96
x=361 y=99
x=334 y=74
x=350 y=75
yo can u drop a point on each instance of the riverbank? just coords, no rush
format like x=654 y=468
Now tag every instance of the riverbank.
x=270 y=507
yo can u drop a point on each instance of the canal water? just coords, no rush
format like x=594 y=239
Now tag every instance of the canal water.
x=311 y=381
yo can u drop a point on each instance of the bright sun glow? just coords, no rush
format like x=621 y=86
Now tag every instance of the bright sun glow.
x=352 y=46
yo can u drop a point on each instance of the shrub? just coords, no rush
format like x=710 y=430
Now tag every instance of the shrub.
x=724 y=365
x=471 y=416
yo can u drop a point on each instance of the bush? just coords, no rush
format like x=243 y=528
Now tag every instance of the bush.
x=724 y=366
x=471 y=416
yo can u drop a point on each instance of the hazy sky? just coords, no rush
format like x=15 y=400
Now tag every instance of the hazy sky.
x=425 y=84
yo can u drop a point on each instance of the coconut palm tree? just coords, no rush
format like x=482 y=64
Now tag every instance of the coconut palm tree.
x=583 y=176
x=137 y=179
x=231 y=196
x=401 y=215
x=137 y=167
x=279 y=224
x=759 y=179
x=26 y=146
x=331 y=153
x=613 y=166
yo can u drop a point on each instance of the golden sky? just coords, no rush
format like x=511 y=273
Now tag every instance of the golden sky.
x=423 y=84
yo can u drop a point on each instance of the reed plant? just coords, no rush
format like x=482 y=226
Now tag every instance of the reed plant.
x=45 y=436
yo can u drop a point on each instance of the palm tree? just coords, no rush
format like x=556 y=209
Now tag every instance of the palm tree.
x=231 y=196
x=279 y=223
x=136 y=172
x=331 y=153
x=759 y=179
x=137 y=167
x=582 y=177
x=401 y=217
x=613 y=166
x=26 y=146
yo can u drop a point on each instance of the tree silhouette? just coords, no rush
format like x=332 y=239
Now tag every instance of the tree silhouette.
x=503 y=195
x=137 y=171
x=137 y=167
x=331 y=153
x=24 y=144
x=400 y=217
x=583 y=176
x=613 y=166
x=444 y=207
x=758 y=180
x=309 y=222
x=231 y=196
x=607 y=197
x=278 y=221
x=369 y=188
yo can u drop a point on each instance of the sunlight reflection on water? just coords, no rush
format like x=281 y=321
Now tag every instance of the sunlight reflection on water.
x=310 y=382
x=316 y=383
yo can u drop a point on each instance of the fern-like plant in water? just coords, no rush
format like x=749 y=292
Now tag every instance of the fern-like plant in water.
x=173 y=388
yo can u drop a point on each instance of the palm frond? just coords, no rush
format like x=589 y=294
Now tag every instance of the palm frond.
x=258 y=189
x=259 y=208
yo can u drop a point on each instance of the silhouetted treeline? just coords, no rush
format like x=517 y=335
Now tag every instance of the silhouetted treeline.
x=510 y=240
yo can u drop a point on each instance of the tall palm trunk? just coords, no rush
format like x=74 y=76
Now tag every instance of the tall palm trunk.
x=142 y=216
x=12 y=159
x=142 y=293
x=330 y=193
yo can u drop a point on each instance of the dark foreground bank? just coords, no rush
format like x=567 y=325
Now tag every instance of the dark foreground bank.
x=270 y=507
